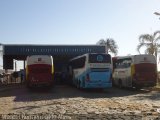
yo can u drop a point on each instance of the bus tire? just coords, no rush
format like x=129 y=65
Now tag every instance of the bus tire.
x=113 y=83
x=79 y=84
x=73 y=79
x=138 y=88
x=120 y=83
x=83 y=83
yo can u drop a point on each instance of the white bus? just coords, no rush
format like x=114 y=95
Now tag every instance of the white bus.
x=135 y=71
x=39 y=70
x=92 y=70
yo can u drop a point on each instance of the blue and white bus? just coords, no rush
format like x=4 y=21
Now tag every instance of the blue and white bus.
x=91 y=70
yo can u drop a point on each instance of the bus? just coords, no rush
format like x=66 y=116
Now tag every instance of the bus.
x=136 y=71
x=39 y=70
x=91 y=70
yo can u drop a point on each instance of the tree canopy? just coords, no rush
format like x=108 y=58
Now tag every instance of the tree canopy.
x=111 y=46
x=150 y=42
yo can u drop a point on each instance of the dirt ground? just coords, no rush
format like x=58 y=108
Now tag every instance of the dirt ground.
x=66 y=102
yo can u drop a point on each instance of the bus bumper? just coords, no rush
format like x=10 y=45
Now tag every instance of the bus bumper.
x=98 y=85
x=39 y=84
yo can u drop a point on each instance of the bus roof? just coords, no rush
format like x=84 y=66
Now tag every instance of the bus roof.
x=139 y=58
x=129 y=56
x=86 y=55
x=39 y=59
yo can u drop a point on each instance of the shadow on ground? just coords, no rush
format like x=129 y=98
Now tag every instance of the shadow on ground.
x=23 y=94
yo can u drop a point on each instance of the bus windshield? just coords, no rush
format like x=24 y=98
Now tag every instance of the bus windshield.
x=99 y=58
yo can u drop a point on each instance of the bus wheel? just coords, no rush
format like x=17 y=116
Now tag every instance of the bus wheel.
x=138 y=88
x=74 y=81
x=113 y=83
x=79 y=84
x=120 y=83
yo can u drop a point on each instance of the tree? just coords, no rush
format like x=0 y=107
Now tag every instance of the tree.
x=1 y=50
x=150 y=42
x=1 y=54
x=110 y=44
x=157 y=13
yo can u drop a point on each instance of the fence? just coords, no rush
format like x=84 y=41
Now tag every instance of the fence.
x=8 y=79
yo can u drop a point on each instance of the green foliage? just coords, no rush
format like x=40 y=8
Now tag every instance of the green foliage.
x=110 y=44
x=150 y=42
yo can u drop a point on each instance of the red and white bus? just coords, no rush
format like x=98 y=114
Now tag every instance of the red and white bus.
x=39 y=70
x=135 y=71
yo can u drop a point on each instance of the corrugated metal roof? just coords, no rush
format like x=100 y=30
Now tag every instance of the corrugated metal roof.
x=51 y=49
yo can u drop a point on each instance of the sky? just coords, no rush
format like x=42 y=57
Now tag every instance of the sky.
x=65 y=22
